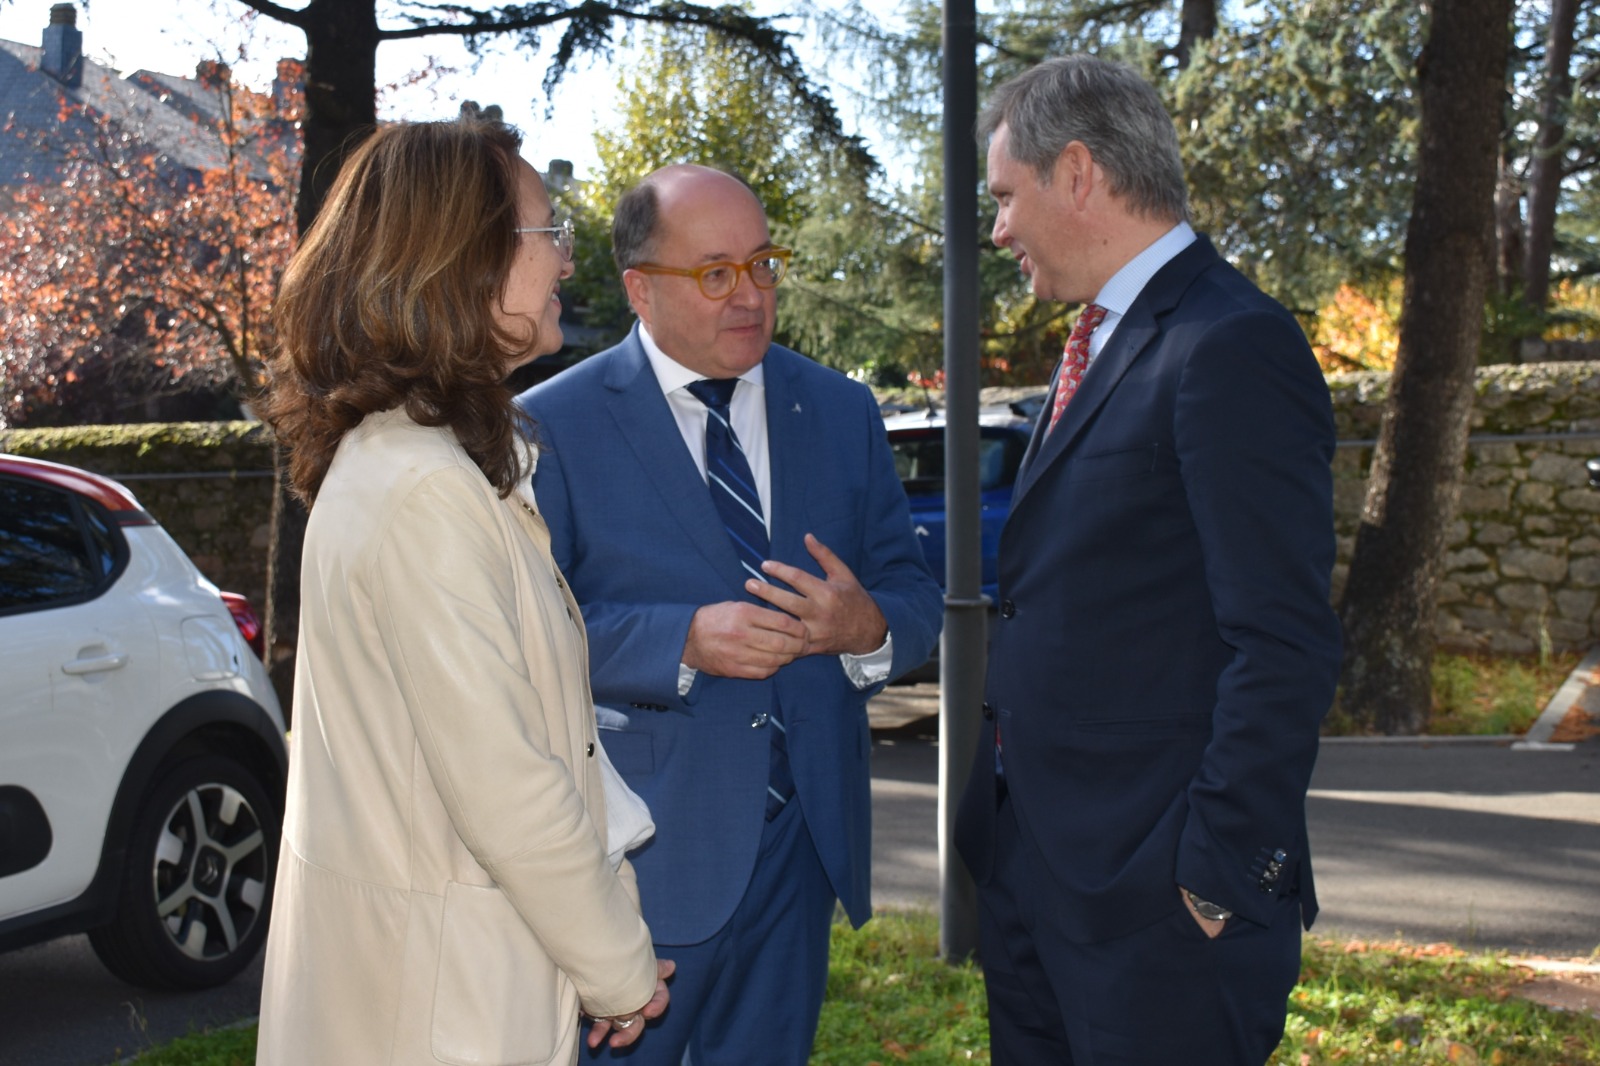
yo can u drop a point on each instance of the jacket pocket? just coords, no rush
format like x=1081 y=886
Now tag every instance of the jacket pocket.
x=1168 y=725
x=498 y=998
x=630 y=753
x=1104 y=466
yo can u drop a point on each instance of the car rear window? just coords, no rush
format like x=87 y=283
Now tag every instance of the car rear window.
x=919 y=459
x=48 y=554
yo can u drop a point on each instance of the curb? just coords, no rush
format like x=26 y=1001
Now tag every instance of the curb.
x=1539 y=734
x=1554 y=966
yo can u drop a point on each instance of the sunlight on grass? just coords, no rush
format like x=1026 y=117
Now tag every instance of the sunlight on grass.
x=222 y=1047
x=1483 y=695
x=1399 y=1003
x=1476 y=694
x=891 y=1001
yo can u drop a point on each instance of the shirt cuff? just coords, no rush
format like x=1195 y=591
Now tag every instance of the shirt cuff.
x=686 y=676
x=867 y=670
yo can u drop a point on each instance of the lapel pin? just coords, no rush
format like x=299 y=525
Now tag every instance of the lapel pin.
x=797 y=408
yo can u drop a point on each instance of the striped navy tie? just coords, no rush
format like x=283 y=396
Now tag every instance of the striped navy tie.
x=733 y=490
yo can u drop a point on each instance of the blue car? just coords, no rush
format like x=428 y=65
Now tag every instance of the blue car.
x=917 y=440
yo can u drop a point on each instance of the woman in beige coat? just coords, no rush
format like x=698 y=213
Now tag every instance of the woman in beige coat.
x=443 y=891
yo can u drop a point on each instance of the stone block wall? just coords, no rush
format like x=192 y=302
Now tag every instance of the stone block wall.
x=1522 y=569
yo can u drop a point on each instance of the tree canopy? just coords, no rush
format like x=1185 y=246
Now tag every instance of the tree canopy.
x=1298 y=122
x=342 y=39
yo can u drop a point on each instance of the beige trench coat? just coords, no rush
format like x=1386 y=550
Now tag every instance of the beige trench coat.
x=443 y=894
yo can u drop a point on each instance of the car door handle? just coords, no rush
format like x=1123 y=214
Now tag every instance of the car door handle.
x=96 y=665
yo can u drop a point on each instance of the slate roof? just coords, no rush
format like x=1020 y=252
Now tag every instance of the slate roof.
x=173 y=116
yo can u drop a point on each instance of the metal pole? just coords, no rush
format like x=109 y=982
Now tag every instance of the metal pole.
x=962 y=650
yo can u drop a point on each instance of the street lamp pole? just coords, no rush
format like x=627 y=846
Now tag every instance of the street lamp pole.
x=962 y=654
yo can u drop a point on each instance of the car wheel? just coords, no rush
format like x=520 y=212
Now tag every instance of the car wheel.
x=197 y=881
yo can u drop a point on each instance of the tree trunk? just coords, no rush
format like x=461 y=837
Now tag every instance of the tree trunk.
x=1544 y=172
x=341 y=110
x=1391 y=595
x=283 y=582
x=1197 y=21
x=1509 y=231
x=341 y=93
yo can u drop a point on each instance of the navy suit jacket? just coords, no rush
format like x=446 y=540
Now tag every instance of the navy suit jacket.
x=1165 y=650
x=634 y=528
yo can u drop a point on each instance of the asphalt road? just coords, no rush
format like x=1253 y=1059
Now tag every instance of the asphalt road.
x=59 y=1007
x=1472 y=843
x=1469 y=842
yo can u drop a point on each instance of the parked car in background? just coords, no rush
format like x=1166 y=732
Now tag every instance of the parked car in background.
x=916 y=438
x=142 y=751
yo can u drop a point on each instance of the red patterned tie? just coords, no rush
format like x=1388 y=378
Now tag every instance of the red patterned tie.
x=1075 y=360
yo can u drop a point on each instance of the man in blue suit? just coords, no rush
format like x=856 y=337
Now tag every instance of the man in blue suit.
x=1165 y=650
x=728 y=514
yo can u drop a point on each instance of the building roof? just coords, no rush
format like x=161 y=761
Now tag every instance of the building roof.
x=40 y=115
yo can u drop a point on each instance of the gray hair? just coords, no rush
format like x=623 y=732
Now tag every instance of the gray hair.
x=633 y=227
x=1109 y=108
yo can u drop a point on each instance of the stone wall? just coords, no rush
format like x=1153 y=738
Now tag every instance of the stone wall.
x=1523 y=564
x=1524 y=555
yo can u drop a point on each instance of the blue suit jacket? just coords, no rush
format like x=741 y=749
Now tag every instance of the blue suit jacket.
x=1165 y=650
x=634 y=529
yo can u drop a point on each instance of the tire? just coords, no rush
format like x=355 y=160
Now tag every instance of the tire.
x=197 y=881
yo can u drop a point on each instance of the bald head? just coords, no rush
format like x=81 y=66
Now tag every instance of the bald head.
x=683 y=219
x=678 y=189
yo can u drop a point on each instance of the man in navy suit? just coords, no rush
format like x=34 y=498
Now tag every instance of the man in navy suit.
x=1165 y=650
x=732 y=673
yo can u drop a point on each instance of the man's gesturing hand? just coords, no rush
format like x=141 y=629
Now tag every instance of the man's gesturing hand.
x=838 y=614
x=742 y=640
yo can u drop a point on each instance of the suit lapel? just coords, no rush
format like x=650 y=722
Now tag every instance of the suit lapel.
x=1036 y=438
x=1136 y=331
x=645 y=422
x=790 y=423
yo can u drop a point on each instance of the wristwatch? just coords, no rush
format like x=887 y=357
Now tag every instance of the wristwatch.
x=1206 y=909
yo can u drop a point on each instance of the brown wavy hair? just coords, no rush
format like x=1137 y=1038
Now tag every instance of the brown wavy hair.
x=390 y=300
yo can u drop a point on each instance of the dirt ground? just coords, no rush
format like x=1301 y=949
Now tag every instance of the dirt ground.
x=1571 y=985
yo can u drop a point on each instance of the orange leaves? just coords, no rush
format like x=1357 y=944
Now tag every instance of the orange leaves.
x=1400 y=947
x=130 y=271
x=1358 y=330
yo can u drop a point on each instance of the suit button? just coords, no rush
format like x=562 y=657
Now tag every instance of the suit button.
x=590 y=750
x=988 y=712
x=758 y=720
x=1007 y=609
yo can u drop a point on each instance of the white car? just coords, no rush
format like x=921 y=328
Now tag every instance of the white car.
x=142 y=753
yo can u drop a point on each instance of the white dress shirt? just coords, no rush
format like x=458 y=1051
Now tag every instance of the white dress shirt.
x=1126 y=284
x=747 y=412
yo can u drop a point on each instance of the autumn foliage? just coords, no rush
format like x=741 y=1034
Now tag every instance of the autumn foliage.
x=126 y=276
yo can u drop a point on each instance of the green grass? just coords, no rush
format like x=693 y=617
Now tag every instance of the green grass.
x=1483 y=695
x=1397 y=1003
x=219 y=1047
x=890 y=1001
